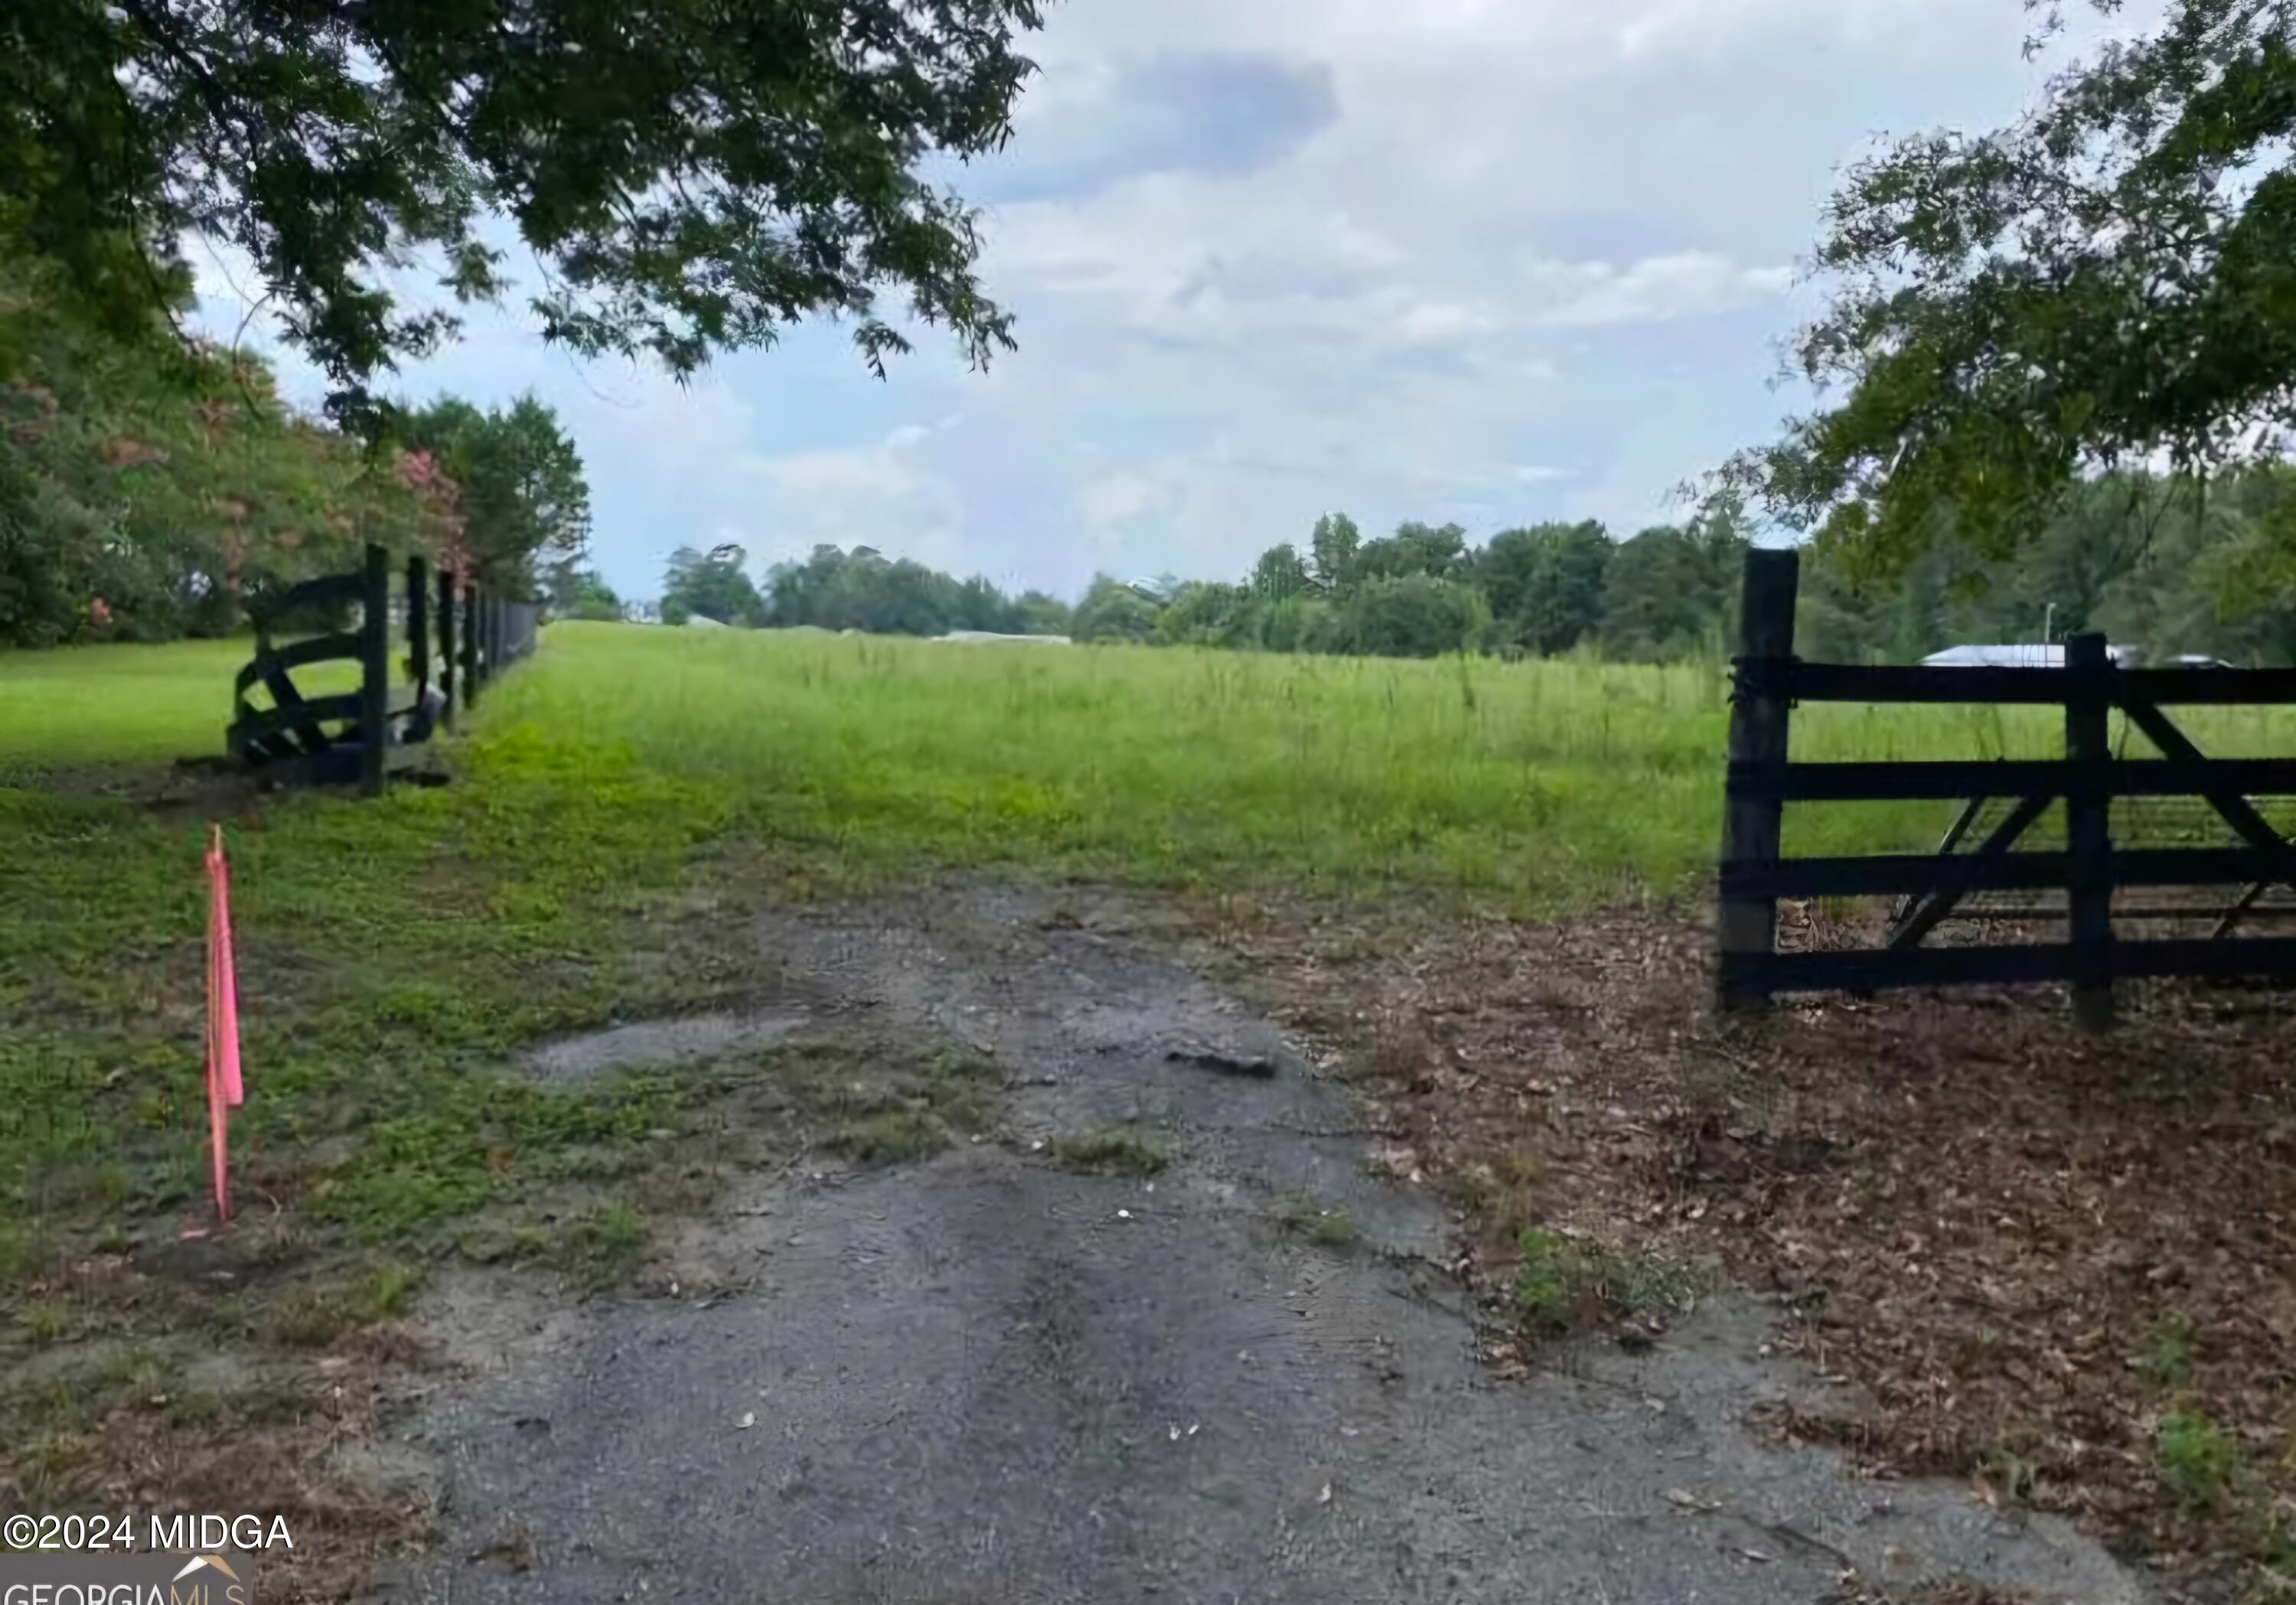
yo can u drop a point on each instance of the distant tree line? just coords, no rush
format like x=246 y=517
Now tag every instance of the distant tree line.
x=2165 y=566
x=1417 y=592
x=1542 y=589
x=833 y=589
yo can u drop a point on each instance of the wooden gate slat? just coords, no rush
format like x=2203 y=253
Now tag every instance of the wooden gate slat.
x=1952 y=886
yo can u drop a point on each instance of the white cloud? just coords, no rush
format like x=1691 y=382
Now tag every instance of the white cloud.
x=1491 y=259
x=1687 y=283
x=882 y=497
x=1442 y=324
x=1109 y=503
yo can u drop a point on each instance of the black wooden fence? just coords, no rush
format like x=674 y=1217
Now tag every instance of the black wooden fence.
x=456 y=638
x=1763 y=778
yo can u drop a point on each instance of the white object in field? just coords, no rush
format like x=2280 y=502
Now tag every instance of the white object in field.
x=702 y=621
x=2016 y=655
x=971 y=637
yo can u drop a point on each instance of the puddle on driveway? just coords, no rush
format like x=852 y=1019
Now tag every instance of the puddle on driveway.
x=696 y=1037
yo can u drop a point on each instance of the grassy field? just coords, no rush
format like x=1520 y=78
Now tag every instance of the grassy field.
x=78 y=709
x=397 y=953
x=1546 y=785
x=622 y=802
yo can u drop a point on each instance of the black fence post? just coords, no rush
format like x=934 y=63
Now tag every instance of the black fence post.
x=2088 y=830
x=418 y=624
x=447 y=644
x=1746 y=932
x=374 y=670
x=474 y=612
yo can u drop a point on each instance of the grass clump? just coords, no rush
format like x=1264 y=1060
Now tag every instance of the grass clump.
x=1326 y=1225
x=2170 y=1352
x=893 y=1136
x=2196 y=1460
x=315 y=1314
x=42 y=1322
x=2006 y=1466
x=390 y=1288
x=1500 y=1191
x=1568 y=1282
x=601 y=1245
x=1110 y=1153
x=885 y=1113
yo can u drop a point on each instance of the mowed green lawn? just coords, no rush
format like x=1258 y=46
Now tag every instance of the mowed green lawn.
x=76 y=710
x=87 y=707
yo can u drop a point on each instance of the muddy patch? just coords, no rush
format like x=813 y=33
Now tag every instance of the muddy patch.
x=693 y=1039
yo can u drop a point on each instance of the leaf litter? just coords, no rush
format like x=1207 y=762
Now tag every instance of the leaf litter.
x=2027 y=1248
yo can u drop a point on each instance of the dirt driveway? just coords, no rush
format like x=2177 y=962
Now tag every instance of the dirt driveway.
x=989 y=1377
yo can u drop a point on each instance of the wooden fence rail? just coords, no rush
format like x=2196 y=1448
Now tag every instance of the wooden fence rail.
x=457 y=640
x=1762 y=778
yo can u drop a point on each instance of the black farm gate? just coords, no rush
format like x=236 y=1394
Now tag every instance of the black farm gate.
x=2090 y=780
x=454 y=641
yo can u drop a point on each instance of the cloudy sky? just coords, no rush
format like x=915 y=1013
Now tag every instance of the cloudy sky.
x=1489 y=260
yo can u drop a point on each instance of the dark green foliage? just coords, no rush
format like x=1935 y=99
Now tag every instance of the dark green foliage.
x=1280 y=574
x=1411 y=616
x=1664 y=596
x=2154 y=565
x=689 y=177
x=863 y=590
x=833 y=589
x=1423 y=591
x=148 y=488
x=579 y=592
x=1413 y=549
x=1545 y=583
x=1111 y=611
x=1332 y=552
x=2111 y=280
x=712 y=584
x=1298 y=624
x=524 y=502
x=1040 y=613
x=1202 y=613
x=2162 y=567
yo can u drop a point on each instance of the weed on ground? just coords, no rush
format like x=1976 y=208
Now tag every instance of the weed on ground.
x=1327 y=1226
x=1120 y=1153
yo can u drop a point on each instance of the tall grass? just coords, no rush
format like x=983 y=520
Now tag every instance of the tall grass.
x=1552 y=785
x=1548 y=784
